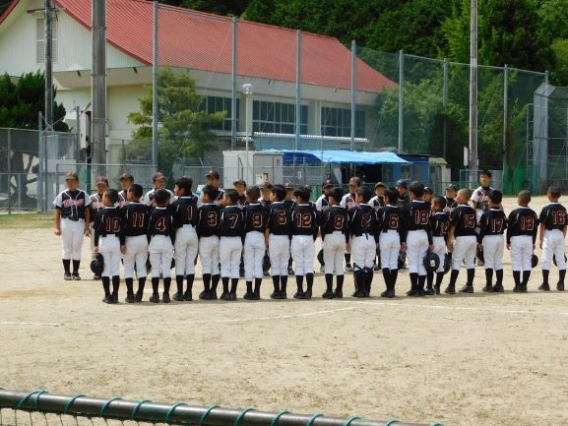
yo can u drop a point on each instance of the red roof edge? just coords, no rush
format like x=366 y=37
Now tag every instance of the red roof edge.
x=9 y=10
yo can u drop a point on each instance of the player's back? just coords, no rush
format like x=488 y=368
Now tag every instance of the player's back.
x=363 y=219
x=256 y=217
x=464 y=220
x=231 y=222
x=184 y=210
x=161 y=222
x=136 y=216
x=440 y=224
x=493 y=222
x=279 y=219
x=553 y=216
x=304 y=220
x=418 y=215
x=208 y=220
x=334 y=219
x=522 y=221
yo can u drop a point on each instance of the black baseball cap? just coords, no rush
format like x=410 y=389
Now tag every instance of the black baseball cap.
x=379 y=184
x=240 y=182
x=451 y=187
x=213 y=173
x=327 y=184
x=71 y=176
x=289 y=185
x=126 y=176
x=402 y=183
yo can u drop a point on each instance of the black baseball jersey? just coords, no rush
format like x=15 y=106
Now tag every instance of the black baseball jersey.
x=451 y=204
x=72 y=204
x=335 y=219
x=418 y=217
x=304 y=220
x=279 y=219
x=109 y=221
x=463 y=219
x=136 y=217
x=440 y=224
x=553 y=216
x=256 y=218
x=363 y=219
x=266 y=204
x=492 y=222
x=184 y=211
x=208 y=220
x=393 y=219
x=161 y=222
x=522 y=221
x=232 y=222
x=402 y=202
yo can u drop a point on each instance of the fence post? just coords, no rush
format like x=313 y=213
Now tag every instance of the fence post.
x=9 y=171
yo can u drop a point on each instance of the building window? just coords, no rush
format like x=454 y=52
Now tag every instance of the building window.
x=40 y=41
x=274 y=117
x=213 y=104
x=337 y=122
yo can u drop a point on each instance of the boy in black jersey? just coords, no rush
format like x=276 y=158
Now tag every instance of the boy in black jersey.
x=161 y=236
x=335 y=237
x=451 y=203
x=266 y=201
x=364 y=231
x=278 y=236
x=208 y=233
x=521 y=237
x=184 y=210
x=231 y=233
x=392 y=240
x=109 y=241
x=419 y=238
x=462 y=228
x=304 y=230
x=256 y=217
x=552 y=233
x=440 y=225
x=492 y=226
x=136 y=216
x=241 y=188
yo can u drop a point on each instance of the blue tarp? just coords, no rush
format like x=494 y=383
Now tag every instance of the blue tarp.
x=341 y=156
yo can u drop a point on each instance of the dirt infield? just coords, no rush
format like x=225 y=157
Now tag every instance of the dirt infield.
x=460 y=360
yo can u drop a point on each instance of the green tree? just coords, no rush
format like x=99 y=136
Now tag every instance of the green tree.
x=219 y=7
x=21 y=101
x=185 y=129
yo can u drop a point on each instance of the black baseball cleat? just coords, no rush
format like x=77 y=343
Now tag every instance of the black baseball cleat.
x=560 y=286
x=255 y=295
x=138 y=297
x=274 y=295
x=115 y=298
x=428 y=292
x=108 y=299
x=388 y=293
x=178 y=297
x=67 y=276
x=412 y=293
x=187 y=296
x=130 y=298
x=466 y=289
x=544 y=287
x=75 y=276
x=155 y=298
x=299 y=295
x=212 y=295
x=450 y=290
x=205 y=295
x=498 y=288
x=488 y=288
x=523 y=288
x=166 y=298
x=248 y=296
x=232 y=296
x=224 y=296
x=282 y=295
x=308 y=294
x=338 y=294
x=437 y=288
x=327 y=295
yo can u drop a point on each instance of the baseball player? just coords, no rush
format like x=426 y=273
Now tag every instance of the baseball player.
x=364 y=232
x=492 y=227
x=256 y=217
x=480 y=197
x=101 y=185
x=136 y=217
x=290 y=203
x=378 y=201
x=213 y=179
x=72 y=218
x=304 y=230
x=392 y=240
x=110 y=243
x=349 y=201
x=401 y=186
x=208 y=233
x=184 y=210
x=521 y=237
x=440 y=225
x=126 y=180
x=241 y=187
x=419 y=238
x=231 y=232
x=277 y=234
x=462 y=228
x=451 y=203
x=335 y=238
x=552 y=232
x=161 y=235
x=159 y=181
x=266 y=201
x=322 y=204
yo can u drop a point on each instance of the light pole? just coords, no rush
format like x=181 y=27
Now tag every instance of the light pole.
x=247 y=90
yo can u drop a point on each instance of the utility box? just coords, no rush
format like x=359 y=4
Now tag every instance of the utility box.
x=260 y=167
